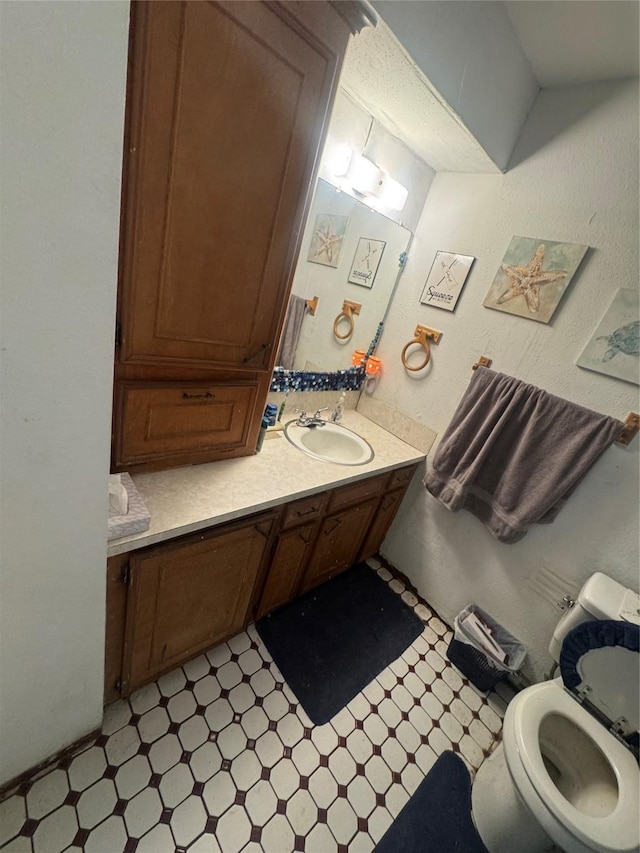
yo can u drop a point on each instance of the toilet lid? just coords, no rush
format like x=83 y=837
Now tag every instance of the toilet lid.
x=599 y=663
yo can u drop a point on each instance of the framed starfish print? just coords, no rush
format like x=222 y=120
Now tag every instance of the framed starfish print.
x=533 y=277
x=326 y=241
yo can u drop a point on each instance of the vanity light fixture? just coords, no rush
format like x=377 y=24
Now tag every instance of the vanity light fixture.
x=392 y=194
x=337 y=157
x=363 y=175
x=352 y=170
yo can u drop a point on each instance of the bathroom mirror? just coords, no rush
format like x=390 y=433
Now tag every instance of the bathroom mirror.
x=348 y=252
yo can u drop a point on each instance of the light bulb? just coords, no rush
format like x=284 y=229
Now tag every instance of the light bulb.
x=337 y=157
x=363 y=175
x=392 y=194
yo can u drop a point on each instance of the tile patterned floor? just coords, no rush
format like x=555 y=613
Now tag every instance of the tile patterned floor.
x=218 y=755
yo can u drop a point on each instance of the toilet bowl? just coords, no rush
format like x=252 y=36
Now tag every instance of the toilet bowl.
x=583 y=783
x=565 y=773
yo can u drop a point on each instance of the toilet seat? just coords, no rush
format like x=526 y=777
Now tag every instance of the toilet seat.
x=599 y=664
x=616 y=832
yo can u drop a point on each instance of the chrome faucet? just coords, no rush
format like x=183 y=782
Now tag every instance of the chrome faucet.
x=315 y=421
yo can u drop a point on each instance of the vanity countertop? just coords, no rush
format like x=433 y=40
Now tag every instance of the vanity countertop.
x=183 y=500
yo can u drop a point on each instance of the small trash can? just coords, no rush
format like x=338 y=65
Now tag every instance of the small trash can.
x=476 y=660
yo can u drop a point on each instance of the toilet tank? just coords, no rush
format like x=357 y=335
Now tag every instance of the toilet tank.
x=601 y=597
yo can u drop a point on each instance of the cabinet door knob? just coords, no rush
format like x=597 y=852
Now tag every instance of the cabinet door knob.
x=262 y=348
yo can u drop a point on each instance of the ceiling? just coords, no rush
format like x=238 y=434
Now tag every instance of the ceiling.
x=568 y=41
x=381 y=76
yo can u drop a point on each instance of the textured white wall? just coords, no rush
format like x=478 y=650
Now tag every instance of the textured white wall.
x=470 y=53
x=63 y=81
x=575 y=180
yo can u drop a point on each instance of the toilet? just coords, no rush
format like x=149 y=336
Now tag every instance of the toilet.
x=566 y=776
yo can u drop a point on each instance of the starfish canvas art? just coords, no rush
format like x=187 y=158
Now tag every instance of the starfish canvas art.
x=533 y=276
x=327 y=239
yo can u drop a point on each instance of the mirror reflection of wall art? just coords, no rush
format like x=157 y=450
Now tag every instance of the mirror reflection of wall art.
x=615 y=345
x=366 y=261
x=446 y=279
x=328 y=236
x=533 y=276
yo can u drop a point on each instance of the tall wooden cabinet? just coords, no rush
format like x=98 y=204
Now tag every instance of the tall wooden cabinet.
x=226 y=110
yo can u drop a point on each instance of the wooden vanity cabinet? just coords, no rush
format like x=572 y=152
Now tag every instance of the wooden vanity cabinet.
x=169 y=602
x=227 y=106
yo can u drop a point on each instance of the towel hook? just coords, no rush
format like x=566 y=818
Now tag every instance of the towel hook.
x=349 y=310
x=422 y=335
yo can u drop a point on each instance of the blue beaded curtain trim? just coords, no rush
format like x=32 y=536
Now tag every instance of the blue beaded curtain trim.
x=305 y=380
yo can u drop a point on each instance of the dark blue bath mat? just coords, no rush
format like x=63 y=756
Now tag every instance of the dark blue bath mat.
x=437 y=818
x=332 y=641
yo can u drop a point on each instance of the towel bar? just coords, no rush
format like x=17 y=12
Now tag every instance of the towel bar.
x=349 y=309
x=312 y=305
x=421 y=337
x=631 y=422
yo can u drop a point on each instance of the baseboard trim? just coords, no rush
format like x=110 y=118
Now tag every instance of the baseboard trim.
x=29 y=776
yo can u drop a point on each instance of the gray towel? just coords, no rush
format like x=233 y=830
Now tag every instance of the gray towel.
x=513 y=453
x=291 y=332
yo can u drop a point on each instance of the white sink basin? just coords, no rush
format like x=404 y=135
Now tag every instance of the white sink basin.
x=330 y=443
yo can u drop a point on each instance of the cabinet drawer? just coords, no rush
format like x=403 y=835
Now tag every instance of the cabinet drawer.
x=401 y=477
x=162 y=419
x=303 y=510
x=357 y=492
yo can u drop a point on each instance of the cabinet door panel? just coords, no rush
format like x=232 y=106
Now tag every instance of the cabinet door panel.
x=291 y=551
x=387 y=510
x=114 y=627
x=228 y=104
x=190 y=596
x=338 y=543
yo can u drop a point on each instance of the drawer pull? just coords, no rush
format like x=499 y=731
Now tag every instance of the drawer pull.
x=301 y=513
x=186 y=396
